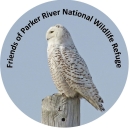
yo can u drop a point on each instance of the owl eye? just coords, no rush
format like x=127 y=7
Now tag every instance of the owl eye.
x=51 y=31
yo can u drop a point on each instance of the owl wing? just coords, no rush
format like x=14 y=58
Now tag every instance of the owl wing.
x=76 y=74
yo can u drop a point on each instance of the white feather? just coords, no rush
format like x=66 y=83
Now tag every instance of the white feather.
x=68 y=69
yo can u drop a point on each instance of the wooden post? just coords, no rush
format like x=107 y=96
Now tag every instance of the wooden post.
x=59 y=111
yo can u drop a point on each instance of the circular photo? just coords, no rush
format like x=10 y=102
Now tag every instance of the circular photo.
x=64 y=63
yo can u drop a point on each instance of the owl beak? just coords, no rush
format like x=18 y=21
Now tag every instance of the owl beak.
x=49 y=38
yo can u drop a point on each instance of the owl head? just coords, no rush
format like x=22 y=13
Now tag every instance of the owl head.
x=57 y=32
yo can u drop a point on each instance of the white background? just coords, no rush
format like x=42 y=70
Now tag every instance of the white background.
x=116 y=118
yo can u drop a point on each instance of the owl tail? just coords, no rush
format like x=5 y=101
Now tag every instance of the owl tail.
x=92 y=97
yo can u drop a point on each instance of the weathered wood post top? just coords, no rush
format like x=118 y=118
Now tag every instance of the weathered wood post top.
x=60 y=111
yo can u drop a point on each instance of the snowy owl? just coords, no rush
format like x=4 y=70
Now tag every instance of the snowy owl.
x=68 y=69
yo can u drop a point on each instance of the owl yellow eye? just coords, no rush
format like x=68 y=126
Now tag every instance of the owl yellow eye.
x=51 y=31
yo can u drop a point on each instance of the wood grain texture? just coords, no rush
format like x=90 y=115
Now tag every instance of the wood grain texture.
x=60 y=111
